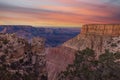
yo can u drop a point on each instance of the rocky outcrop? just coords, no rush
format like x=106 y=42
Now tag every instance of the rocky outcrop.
x=98 y=38
x=23 y=57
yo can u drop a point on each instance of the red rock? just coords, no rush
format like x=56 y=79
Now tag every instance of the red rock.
x=112 y=30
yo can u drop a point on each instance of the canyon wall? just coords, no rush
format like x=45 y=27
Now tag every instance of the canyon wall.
x=99 y=29
x=58 y=59
x=97 y=37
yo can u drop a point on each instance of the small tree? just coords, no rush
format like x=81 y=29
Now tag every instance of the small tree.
x=5 y=41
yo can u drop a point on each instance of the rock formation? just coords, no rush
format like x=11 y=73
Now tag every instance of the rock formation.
x=23 y=57
x=111 y=30
x=97 y=37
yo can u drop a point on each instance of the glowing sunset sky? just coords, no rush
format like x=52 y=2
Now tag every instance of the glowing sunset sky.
x=59 y=12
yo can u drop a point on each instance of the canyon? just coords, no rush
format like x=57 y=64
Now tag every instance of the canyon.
x=34 y=57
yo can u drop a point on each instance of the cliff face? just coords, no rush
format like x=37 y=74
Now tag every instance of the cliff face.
x=97 y=37
x=111 y=30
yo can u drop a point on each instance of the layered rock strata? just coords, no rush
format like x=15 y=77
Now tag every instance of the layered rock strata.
x=110 y=30
x=97 y=37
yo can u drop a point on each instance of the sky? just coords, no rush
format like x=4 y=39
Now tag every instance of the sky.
x=64 y=13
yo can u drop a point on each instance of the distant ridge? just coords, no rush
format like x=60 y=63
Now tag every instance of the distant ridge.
x=53 y=36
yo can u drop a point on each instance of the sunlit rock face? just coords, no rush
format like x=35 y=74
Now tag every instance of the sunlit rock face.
x=20 y=55
x=111 y=30
x=98 y=38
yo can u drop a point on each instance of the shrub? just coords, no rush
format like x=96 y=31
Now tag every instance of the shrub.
x=113 y=45
x=5 y=41
x=86 y=67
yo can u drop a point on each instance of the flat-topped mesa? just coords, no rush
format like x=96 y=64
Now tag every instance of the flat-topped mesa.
x=101 y=29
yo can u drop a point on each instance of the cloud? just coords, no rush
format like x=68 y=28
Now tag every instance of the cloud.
x=114 y=1
x=68 y=12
